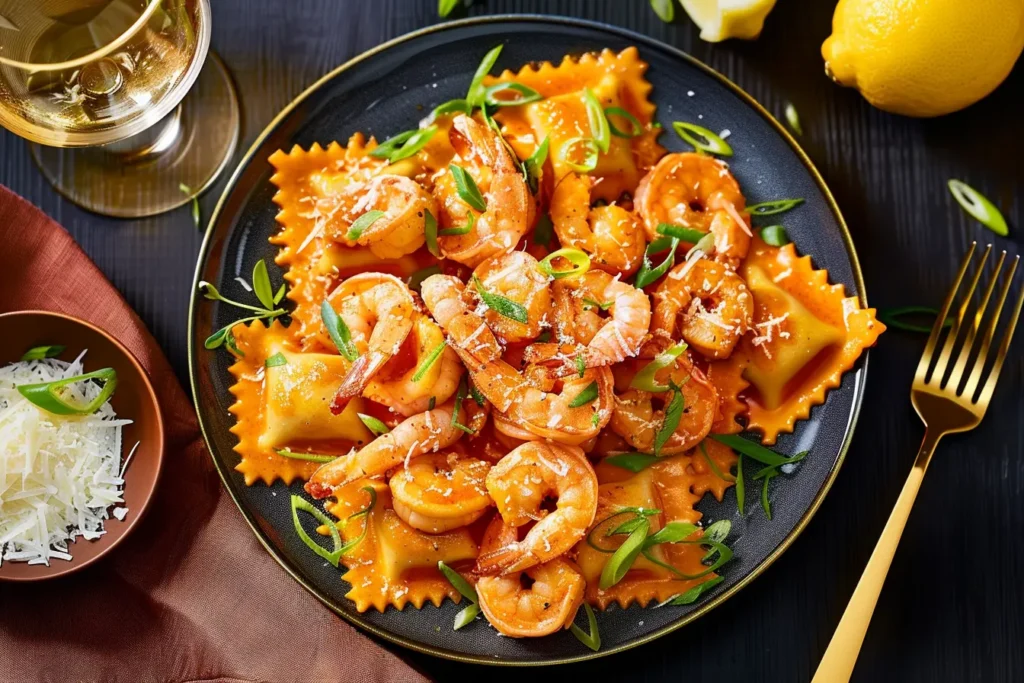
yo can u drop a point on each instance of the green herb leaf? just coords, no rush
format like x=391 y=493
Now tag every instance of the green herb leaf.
x=673 y=532
x=332 y=556
x=280 y=293
x=464 y=230
x=477 y=396
x=775 y=235
x=430 y=230
x=362 y=223
x=772 y=470
x=702 y=139
x=581 y=365
x=765 y=503
x=338 y=331
x=510 y=94
x=592 y=639
x=385 y=149
x=432 y=402
x=276 y=360
x=718 y=532
x=41 y=352
x=309 y=457
x=683 y=233
x=534 y=167
x=793 y=119
x=714 y=467
x=467 y=188
x=673 y=413
x=465 y=588
x=578 y=259
x=634 y=462
x=604 y=306
x=450 y=107
x=417 y=278
x=891 y=317
x=598 y=122
x=692 y=595
x=979 y=206
x=544 y=232
x=500 y=305
x=627 y=527
x=431 y=358
x=595 y=419
x=646 y=379
x=588 y=395
x=48 y=395
x=232 y=344
x=476 y=93
x=466 y=616
x=589 y=148
x=636 y=129
x=665 y=9
x=755 y=451
x=648 y=272
x=261 y=285
x=209 y=291
x=445 y=7
x=373 y=424
x=622 y=559
x=739 y=485
x=404 y=145
x=773 y=207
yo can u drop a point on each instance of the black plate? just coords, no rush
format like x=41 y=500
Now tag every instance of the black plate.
x=387 y=90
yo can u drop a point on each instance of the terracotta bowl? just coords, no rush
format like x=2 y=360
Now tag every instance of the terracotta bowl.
x=134 y=399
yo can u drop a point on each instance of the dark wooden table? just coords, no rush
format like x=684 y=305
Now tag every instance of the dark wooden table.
x=951 y=609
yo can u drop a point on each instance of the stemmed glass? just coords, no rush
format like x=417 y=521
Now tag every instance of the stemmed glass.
x=99 y=89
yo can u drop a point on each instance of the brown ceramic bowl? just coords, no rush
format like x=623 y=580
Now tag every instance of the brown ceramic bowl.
x=134 y=399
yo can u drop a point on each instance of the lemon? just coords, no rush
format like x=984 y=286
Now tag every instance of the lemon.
x=721 y=19
x=924 y=57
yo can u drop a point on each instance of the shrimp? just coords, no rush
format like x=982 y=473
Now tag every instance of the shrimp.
x=416 y=435
x=706 y=304
x=400 y=230
x=520 y=484
x=377 y=309
x=639 y=423
x=509 y=208
x=554 y=593
x=517 y=277
x=397 y=385
x=613 y=236
x=440 y=492
x=446 y=298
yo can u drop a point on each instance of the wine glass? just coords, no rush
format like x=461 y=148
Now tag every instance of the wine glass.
x=99 y=89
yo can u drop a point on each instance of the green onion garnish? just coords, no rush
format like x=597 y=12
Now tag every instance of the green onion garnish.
x=775 y=235
x=338 y=331
x=673 y=532
x=544 y=230
x=714 y=467
x=430 y=231
x=891 y=317
x=765 y=503
x=588 y=395
x=648 y=272
x=579 y=260
x=772 y=207
x=645 y=379
x=445 y=7
x=589 y=162
x=595 y=419
x=534 y=165
x=332 y=556
x=793 y=119
x=450 y=107
x=711 y=142
x=464 y=230
x=590 y=303
x=670 y=422
x=432 y=402
x=466 y=616
x=599 y=129
x=634 y=462
x=596 y=531
x=373 y=424
x=592 y=639
x=362 y=223
x=581 y=365
x=683 y=233
x=622 y=559
x=500 y=305
x=310 y=457
x=261 y=286
x=417 y=278
x=739 y=484
x=476 y=93
x=466 y=590
x=41 y=352
x=403 y=145
x=467 y=188
x=276 y=360
x=46 y=395
x=692 y=595
x=978 y=205
x=665 y=9
x=431 y=358
x=515 y=94
x=635 y=127
x=756 y=451
x=478 y=398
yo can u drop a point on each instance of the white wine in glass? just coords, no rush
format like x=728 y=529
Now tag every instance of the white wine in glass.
x=99 y=87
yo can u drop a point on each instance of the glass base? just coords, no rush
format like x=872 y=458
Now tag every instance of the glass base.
x=160 y=169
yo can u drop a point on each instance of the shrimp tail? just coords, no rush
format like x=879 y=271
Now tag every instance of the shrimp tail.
x=357 y=379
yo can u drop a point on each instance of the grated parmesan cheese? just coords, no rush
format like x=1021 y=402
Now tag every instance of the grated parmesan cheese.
x=59 y=475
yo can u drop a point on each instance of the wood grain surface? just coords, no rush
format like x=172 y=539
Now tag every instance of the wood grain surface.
x=952 y=608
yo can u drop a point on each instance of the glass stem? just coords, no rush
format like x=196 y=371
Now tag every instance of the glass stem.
x=152 y=142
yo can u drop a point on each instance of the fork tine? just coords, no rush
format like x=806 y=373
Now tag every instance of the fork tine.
x=1004 y=347
x=933 y=338
x=947 y=348
x=961 y=362
x=986 y=340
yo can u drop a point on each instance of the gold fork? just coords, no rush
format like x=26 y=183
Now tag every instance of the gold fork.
x=945 y=409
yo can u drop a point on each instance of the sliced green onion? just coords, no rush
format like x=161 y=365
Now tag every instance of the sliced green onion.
x=362 y=223
x=765 y=503
x=232 y=344
x=714 y=468
x=645 y=379
x=635 y=127
x=338 y=331
x=581 y=365
x=592 y=639
x=673 y=413
x=648 y=272
x=460 y=396
x=634 y=462
x=772 y=207
x=332 y=556
x=476 y=93
x=373 y=424
x=793 y=119
x=500 y=305
x=775 y=235
x=711 y=142
x=624 y=557
x=430 y=230
x=445 y=7
x=392 y=144
x=467 y=188
x=891 y=317
x=417 y=278
x=276 y=360
x=534 y=165
x=739 y=484
x=544 y=232
x=719 y=531
x=522 y=95
x=280 y=293
x=626 y=528
x=595 y=531
x=431 y=358
x=673 y=532
x=755 y=451
x=261 y=285
x=979 y=206
x=665 y=9
x=588 y=395
x=597 y=304
x=478 y=398
x=589 y=162
x=723 y=551
x=450 y=107
x=772 y=470
x=41 y=352
x=599 y=129
x=464 y=230
x=465 y=588
x=309 y=457
x=580 y=263
x=466 y=616
x=595 y=419
x=404 y=145
x=691 y=596
x=685 y=234
x=46 y=395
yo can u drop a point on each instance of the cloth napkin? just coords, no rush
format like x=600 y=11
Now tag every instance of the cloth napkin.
x=190 y=595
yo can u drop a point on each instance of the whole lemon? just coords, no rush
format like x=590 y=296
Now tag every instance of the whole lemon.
x=924 y=57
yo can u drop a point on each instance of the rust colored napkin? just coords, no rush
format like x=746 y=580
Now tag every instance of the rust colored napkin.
x=190 y=594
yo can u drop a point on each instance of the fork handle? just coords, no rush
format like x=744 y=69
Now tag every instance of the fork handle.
x=841 y=656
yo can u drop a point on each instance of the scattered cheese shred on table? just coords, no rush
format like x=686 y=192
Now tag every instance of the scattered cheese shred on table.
x=59 y=475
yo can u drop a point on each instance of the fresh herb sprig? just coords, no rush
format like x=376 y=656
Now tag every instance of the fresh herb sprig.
x=268 y=310
x=466 y=590
x=338 y=548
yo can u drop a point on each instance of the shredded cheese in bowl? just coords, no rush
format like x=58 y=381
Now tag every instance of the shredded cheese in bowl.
x=59 y=475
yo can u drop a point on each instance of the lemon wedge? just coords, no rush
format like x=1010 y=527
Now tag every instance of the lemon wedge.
x=722 y=19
